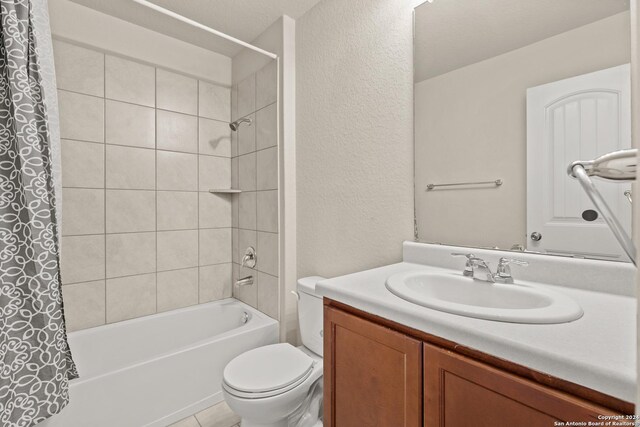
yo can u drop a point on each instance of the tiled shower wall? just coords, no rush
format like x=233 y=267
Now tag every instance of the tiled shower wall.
x=141 y=148
x=254 y=166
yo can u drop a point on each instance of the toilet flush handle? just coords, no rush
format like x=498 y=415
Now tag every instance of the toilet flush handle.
x=296 y=294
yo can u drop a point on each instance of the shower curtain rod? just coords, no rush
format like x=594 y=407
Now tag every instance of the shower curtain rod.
x=196 y=24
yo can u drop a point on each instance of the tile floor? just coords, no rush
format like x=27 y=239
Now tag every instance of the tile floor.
x=219 y=415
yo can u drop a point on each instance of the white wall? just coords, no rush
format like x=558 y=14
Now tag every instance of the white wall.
x=635 y=133
x=354 y=135
x=82 y=25
x=475 y=118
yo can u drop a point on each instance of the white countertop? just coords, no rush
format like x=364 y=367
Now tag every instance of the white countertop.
x=597 y=351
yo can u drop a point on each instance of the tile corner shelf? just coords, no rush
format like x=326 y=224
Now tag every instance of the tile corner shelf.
x=225 y=190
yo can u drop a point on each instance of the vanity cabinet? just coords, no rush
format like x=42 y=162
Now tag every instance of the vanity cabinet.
x=380 y=373
x=374 y=374
x=459 y=391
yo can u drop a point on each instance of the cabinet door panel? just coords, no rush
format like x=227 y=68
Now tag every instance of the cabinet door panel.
x=373 y=375
x=459 y=391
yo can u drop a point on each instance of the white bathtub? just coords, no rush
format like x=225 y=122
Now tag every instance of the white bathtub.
x=156 y=370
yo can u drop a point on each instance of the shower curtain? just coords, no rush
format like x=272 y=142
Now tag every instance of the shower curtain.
x=35 y=361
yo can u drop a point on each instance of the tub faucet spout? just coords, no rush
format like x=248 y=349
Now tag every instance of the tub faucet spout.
x=245 y=281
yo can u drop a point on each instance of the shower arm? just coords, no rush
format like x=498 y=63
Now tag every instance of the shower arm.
x=617 y=166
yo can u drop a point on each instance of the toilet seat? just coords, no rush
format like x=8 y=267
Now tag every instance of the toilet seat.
x=267 y=371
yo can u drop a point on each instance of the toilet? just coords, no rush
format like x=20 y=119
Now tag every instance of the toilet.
x=267 y=385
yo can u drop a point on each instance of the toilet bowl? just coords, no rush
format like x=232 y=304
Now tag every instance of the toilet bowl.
x=267 y=385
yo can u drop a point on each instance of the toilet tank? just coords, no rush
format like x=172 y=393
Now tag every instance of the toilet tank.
x=310 y=314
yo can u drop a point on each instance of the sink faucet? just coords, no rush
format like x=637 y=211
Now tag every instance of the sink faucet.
x=479 y=269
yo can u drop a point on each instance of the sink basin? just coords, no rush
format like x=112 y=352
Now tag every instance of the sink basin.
x=454 y=293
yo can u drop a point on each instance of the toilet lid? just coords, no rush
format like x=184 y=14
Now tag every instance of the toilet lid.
x=267 y=368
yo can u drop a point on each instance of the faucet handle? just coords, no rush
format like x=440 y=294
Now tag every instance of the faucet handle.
x=468 y=256
x=250 y=258
x=503 y=273
x=468 y=268
x=506 y=261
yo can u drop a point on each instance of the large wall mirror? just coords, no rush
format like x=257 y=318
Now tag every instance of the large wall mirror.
x=508 y=94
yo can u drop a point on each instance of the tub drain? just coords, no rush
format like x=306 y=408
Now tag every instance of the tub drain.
x=245 y=317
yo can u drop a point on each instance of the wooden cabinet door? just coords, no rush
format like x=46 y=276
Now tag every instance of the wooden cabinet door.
x=460 y=392
x=372 y=374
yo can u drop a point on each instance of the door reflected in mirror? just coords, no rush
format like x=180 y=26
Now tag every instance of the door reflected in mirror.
x=507 y=95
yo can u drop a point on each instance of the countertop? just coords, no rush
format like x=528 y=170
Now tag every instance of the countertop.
x=597 y=351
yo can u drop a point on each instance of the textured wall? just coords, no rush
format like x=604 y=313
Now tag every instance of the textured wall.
x=354 y=135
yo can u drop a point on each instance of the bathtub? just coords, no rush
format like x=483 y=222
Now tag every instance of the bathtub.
x=158 y=369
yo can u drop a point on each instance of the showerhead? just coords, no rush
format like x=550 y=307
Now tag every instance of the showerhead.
x=235 y=125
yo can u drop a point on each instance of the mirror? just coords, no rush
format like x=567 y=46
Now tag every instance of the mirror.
x=507 y=95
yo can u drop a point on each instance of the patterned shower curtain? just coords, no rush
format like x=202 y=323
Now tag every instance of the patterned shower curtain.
x=35 y=361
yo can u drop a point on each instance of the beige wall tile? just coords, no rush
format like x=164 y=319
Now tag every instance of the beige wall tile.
x=177 y=171
x=267 y=127
x=214 y=102
x=219 y=415
x=247 y=136
x=215 y=210
x=151 y=209
x=84 y=305
x=247 y=96
x=214 y=172
x=235 y=245
x=82 y=164
x=214 y=137
x=235 y=169
x=82 y=258
x=178 y=288
x=247 y=294
x=234 y=144
x=267 y=169
x=81 y=116
x=215 y=246
x=177 y=210
x=268 y=295
x=83 y=211
x=177 y=132
x=129 y=297
x=247 y=210
x=247 y=172
x=177 y=249
x=176 y=92
x=78 y=69
x=267 y=249
x=131 y=211
x=267 y=203
x=215 y=282
x=131 y=253
x=235 y=211
x=234 y=102
x=130 y=81
x=129 y=124
x=130 y=168
x=266 y=85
